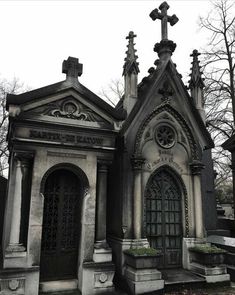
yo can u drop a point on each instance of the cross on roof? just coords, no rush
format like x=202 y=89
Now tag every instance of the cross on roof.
x=71 y=67
x=155 y=14
x=131 y=35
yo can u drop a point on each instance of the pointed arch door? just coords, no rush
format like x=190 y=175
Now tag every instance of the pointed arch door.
x=163 y=215
x=61 y=226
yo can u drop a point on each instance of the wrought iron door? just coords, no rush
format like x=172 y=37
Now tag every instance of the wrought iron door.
x=60 y=233
x=163 y=218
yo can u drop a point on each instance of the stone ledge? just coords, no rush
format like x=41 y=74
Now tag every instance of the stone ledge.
x=218 y=278
x=142 y=274
x=208 y=271
x=146 y=287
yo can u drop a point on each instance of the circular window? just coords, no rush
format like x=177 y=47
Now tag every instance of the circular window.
x=165 y=136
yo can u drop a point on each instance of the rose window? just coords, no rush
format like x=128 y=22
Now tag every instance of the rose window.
x=165 y=136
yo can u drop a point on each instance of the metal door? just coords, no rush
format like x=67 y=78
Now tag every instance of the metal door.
x=163 y=217
x=61 y=226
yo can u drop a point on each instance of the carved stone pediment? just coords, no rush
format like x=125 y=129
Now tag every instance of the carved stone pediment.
x=69 y=108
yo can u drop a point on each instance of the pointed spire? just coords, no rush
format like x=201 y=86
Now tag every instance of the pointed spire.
x=131 y=65
x=196 y=84
x=196 y=79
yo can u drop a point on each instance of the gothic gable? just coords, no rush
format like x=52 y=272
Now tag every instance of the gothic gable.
x=166 y=127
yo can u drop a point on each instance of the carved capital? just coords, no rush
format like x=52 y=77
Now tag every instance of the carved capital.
x=196 y=167
x=24 y=160
x=103 y=165
x=137 y=163
x=24 y=156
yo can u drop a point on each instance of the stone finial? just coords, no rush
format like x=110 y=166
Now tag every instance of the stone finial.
x=72 y=68
x=165 y=47
x=196 y=79
x=131 y=65
x=155 y=14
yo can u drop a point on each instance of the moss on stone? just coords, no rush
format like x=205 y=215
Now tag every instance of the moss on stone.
x=142 y=251
x=207 y=249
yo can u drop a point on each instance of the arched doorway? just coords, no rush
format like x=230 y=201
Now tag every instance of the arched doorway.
x=163 y=217
x=61 y=225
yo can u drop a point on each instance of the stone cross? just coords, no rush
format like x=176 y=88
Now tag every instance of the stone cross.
x=71 y=67
x=131 y=35
x=155 y=14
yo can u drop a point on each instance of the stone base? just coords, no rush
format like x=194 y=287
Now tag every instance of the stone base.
x=15 y=248
x=102 y=255
x=211 y=274
x=188 y=243
x=118 y=248
x=97 y=278
x=141 y=281
x=13 y=285
x=19 y=281
x=15 y=259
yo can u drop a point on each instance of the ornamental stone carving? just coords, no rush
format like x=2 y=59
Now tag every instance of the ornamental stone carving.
x=196 y=167
x=195 y=149
x=137 y=163
x=69 y=108
x=165 y=136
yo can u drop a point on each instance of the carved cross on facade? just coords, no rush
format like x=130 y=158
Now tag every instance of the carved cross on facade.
x=166 y=91
x=71 y=67
x=155 y=14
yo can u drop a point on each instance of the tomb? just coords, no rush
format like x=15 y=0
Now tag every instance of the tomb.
x=88 y=181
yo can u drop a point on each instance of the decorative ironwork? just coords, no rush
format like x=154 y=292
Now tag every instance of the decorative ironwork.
x=164 y=217
x=60 y=225
x=165 y=136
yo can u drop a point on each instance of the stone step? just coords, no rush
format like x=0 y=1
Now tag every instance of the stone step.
x=180 y=279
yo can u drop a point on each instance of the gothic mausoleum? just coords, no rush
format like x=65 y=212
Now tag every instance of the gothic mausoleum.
x=101 y=197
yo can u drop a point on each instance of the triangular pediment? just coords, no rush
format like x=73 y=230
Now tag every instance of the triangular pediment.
x=69 y=108
x=66 y=102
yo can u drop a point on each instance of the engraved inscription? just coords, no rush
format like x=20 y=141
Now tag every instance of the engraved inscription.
x=69 y=138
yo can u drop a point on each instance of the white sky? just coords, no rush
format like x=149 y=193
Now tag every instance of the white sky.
x=36 y=36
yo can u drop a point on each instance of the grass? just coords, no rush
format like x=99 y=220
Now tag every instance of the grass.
x=142 y=251
x=207 y=249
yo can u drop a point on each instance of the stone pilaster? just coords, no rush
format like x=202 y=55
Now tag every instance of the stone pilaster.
x=101 y=203
x=102 y=251
x=196 y=168
x=21 y=162
x=137 y=197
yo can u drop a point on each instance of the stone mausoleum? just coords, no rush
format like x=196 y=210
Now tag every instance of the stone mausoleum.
x=88 y=181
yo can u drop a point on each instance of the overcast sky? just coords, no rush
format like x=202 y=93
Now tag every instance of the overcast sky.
x=36 y=36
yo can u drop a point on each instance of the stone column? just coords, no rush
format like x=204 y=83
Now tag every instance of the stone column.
x=196 y=168
x=101 y=202
x=14 y=241
x=137 y=197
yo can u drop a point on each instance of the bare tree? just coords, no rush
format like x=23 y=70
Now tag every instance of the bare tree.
x=218 y=68
x=12 y=86
x=113 y=92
